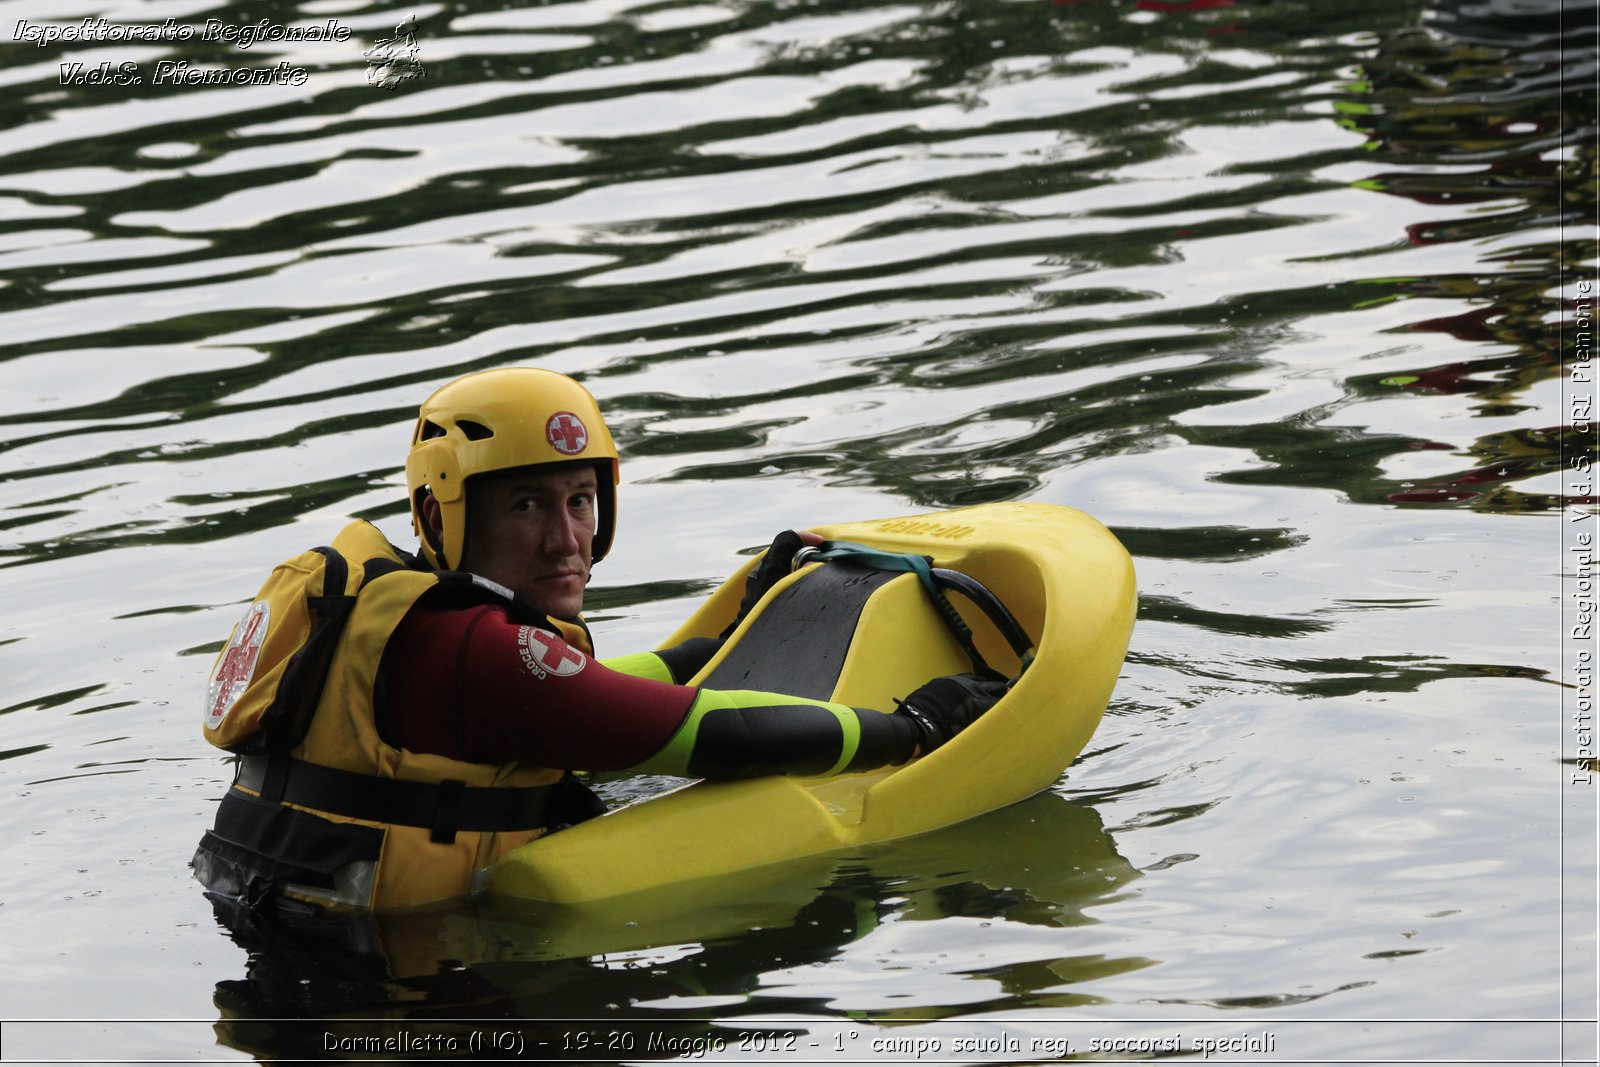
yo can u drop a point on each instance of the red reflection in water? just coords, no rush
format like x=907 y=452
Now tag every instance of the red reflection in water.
x=1182 y=5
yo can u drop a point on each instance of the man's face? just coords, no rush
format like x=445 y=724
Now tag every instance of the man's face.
x=533 y=532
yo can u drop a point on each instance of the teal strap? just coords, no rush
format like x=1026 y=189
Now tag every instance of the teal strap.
x=880 y=560
x=922 y=567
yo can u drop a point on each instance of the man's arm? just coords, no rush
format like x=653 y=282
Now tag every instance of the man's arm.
x=746 y=734
x=473 y=685
x=675 y=665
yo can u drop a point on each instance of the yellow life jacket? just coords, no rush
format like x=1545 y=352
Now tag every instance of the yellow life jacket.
x=323 y=808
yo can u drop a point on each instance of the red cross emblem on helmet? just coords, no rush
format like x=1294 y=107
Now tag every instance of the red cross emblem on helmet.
x=566 y=433
x=550 y=653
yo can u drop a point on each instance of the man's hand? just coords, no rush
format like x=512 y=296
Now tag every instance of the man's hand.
x=778 y=561
x=945 y=706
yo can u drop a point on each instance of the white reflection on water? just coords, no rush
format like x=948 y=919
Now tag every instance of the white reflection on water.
x=1226 y=278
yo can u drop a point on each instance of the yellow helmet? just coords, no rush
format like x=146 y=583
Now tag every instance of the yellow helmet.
x=498 y=420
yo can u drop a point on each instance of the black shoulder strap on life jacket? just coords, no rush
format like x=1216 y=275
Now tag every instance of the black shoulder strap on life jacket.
x=443 y=808
x=284 y=723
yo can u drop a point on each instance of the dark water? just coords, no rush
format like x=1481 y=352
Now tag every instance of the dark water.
x=1295 y=296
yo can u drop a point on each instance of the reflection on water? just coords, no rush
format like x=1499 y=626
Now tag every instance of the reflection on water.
x=1475 y=93
x=637 y=965
x=1281 y=290
x=1038 y=260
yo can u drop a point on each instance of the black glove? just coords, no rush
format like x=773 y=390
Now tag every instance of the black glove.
x=945 y=706
x=778 y=562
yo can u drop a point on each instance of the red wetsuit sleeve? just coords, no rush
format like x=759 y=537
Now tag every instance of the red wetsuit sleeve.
x=474 y=685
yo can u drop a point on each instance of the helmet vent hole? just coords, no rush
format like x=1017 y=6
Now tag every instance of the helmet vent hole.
x=429 y=430
x=475 y=431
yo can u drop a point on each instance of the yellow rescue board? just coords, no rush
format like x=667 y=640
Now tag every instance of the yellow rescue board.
x=1067 y=580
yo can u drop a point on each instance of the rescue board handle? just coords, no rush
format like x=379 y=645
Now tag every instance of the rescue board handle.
x=935 y=581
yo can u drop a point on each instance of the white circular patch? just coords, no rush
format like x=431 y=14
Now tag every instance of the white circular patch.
x=566 y=433
x=237 y=664
x=545 y=653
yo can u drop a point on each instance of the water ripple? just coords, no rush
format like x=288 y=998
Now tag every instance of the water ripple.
x=1280 y=291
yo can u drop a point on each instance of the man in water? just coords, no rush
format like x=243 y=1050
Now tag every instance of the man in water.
x=404 y=721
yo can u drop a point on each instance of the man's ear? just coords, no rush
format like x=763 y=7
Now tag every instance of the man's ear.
x=432 y=520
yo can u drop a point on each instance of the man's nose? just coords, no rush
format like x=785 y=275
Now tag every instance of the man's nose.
x=561 y=535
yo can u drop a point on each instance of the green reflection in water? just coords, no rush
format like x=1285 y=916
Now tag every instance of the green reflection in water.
x=1040 y=865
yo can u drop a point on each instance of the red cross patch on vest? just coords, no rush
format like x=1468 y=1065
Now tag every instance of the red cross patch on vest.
x=237 y=664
